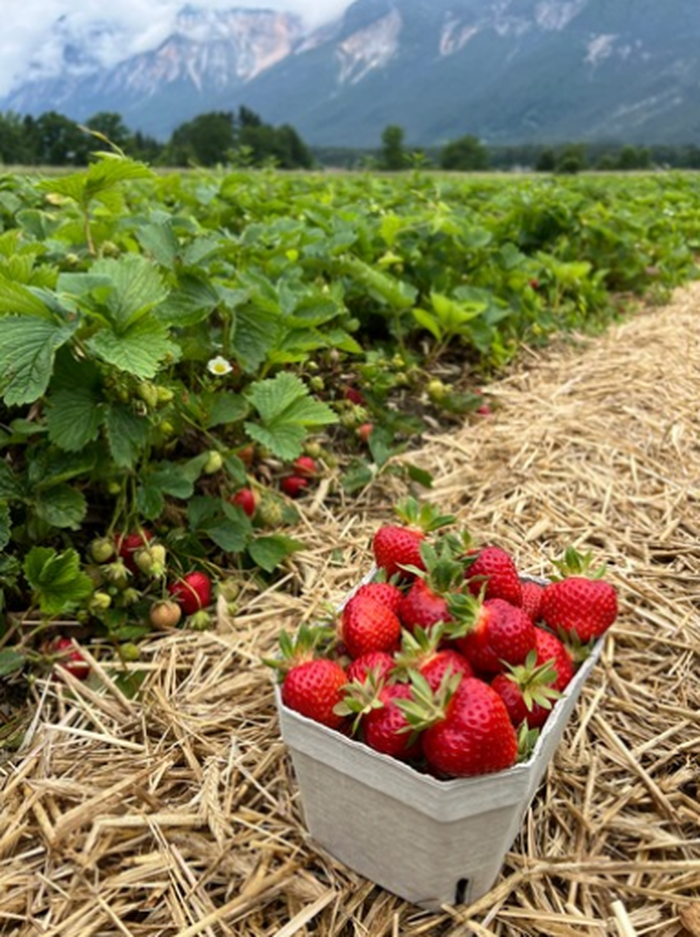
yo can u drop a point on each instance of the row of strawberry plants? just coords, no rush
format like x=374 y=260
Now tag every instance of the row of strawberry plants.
x=171 y=345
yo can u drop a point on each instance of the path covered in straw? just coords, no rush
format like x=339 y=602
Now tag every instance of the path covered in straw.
x=178 y=814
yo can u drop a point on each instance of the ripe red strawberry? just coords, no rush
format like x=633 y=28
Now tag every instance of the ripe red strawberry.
x=364 y=431
x=378 y=663
x=550 y=648
x=471 y=734
x=528 y=691
x=494 y=570
x=421 y=607
x=385 y=727
x=305 y=466
x=70 y=658
x=367 y=625
x=577 y=604
x=314 y=688
x=532 y=599
x=492 y=633
x=294 y=485
x=398 y=545
x=384 y=592
x=192 y=592
x=245 y=499
x=128 y=544
x=394 y=546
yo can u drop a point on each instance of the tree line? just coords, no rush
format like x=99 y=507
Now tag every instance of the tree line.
x=244 y=139
x=216 y=137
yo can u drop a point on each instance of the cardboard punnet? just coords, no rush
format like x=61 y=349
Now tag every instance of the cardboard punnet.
x=428 y=841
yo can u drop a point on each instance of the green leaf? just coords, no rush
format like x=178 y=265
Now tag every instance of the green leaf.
x=230 y=534
x=74 y=418
x=127 y=434
x=137 y=288
x=61 y=506
x=287 y=412
x=269 y=552
x=139 y=350
x=56 y=579
x=10 y=486
x=159 y=240
x=10 y=661
x=28 y=347
x=149 y=502
x=17 y=299
x=221 y=408
x=175 y=479
x=257 y=331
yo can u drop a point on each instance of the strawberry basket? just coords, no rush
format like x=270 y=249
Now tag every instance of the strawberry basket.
x=428 y=837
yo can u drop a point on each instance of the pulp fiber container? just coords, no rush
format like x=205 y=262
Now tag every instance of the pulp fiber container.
x=430 y=842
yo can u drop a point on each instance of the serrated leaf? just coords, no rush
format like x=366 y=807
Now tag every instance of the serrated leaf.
x=17 y=299
x=202 y=509
x=269 y=552
x=287 y=411
x=61 y=506
x=160 y=241
x=28 y=347
x=10 y=485
x=285 y=442
x=136 y=287
x=127 y=434
x=230 y=534
x=221 y=408
x=149 y=502
x=139 y=350
x=74 y=418
x=56 y=579
x=177 y=479
x=257 y=331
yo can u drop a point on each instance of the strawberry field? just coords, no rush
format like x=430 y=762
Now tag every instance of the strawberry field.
x=212 y=386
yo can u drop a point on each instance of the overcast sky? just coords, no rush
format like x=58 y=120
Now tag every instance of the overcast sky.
x=142 y=24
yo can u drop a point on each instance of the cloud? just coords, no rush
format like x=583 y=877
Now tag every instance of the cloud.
x=37 y=37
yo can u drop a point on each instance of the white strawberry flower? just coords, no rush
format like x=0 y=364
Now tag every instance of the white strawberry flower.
x=219 y=366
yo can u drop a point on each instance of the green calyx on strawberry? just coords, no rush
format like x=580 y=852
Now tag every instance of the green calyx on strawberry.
x=421 y=651
x=581 y=602
x=309 y=642
x=425 y=603
x=528 y=690
x=396 y=546
x=192 y=592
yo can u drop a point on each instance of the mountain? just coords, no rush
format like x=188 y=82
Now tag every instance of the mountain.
x=506 y=71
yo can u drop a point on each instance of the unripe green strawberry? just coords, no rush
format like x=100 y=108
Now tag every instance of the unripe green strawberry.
x=214 y=463
x=129 y=651
x=99 y=602
x=152 y=560
x=148 y=393
x=101 y=549
x=117 y=574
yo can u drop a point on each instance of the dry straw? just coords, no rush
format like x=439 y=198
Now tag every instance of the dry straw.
x=177 y=813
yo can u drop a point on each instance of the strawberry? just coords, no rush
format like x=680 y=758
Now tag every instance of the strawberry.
x=550 y=649
x=364 y=431
x=528 y=691
x=70 y=658
x=577 y=604
x=305 y=466
x=353 y=395
x=378 y=663
x=421 y=652
x=294 y=485
x=580 y=602
x=466 y=729
x=384 y=592
x=245 y=499
x=128 y=544
x=493 y=569
x=425 y=603
x=491 y=633
x=385 y=727
x=532 y=599
x=367 y=625
x=398 y=545
x=314 y=688
x=165 y=614
x=192 y=592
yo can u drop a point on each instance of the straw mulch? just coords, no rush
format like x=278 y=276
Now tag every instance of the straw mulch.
x=178 y=813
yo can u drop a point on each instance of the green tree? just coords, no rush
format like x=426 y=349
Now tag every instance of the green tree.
x=633 y=157
x=392 y=155
x=205 y=140
x=466 y=154
x=59 y=141
x=16 y=145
